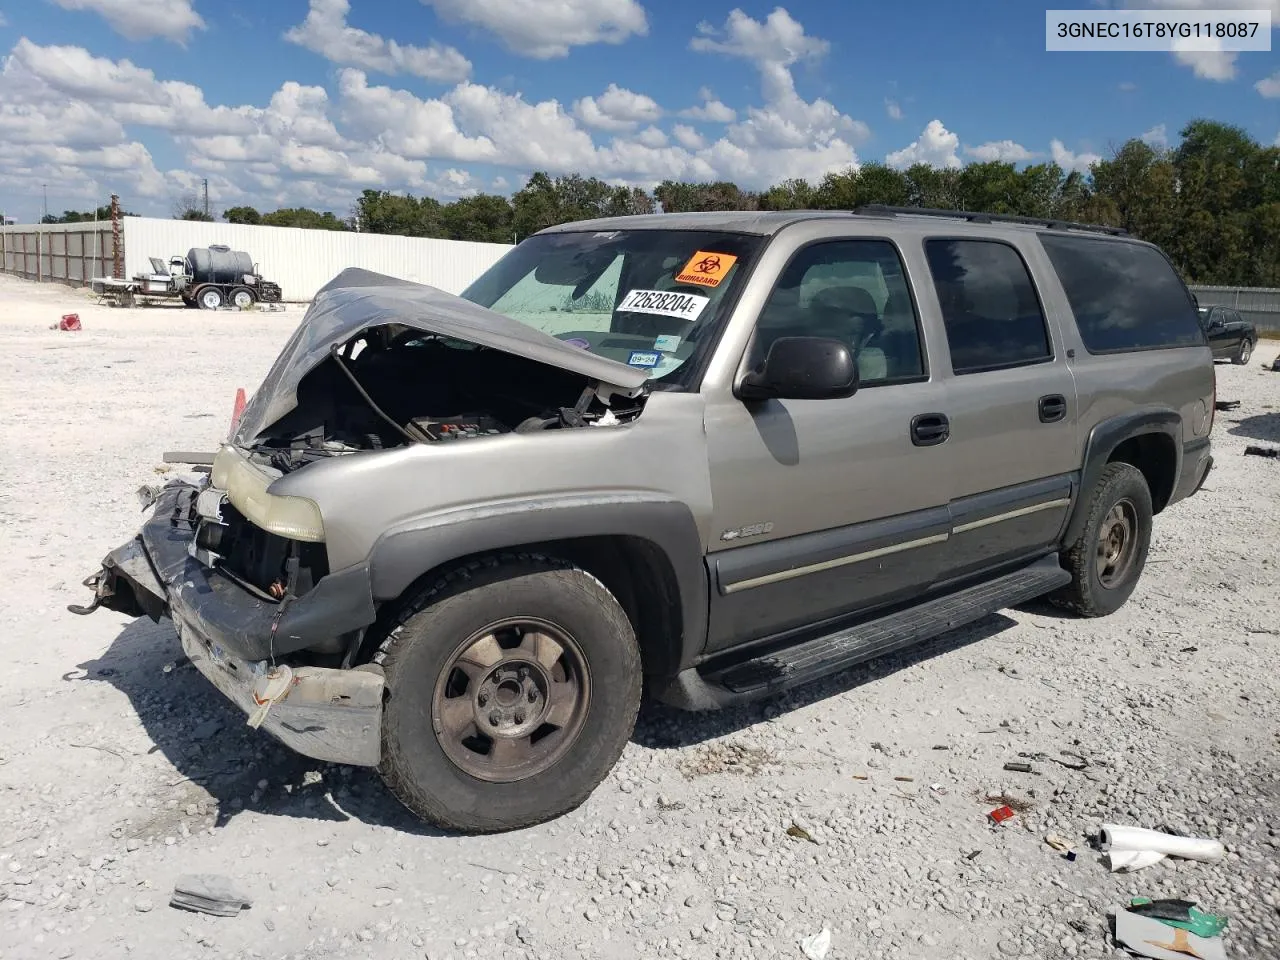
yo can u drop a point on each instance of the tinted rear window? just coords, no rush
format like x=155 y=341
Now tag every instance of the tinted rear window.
x=1125 y=296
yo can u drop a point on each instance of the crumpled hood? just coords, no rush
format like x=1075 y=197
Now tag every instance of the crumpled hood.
x=356 y=299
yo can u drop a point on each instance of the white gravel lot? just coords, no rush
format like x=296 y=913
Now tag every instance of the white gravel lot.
x=121 y=768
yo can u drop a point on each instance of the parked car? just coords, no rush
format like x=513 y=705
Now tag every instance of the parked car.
x=1231 y=336
x=722 y=453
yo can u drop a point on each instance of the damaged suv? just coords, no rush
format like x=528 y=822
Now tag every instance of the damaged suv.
x=728 y=453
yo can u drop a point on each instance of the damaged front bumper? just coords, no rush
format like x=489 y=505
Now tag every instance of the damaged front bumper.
x=234 y=636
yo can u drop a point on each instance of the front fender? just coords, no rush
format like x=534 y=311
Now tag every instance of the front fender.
x=411 y=549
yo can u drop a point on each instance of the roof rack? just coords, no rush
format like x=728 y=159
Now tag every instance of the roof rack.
x=881 y=210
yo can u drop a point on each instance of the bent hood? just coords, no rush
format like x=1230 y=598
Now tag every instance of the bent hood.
x=357 y=299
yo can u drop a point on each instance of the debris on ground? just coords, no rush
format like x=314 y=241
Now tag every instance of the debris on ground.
x=1149 y=937
x=800 y=833
x=815 y=947
x=1001 y=814
x=1135 y=848
x=69 y=321
x=208 y=893
x=1179 y=913
x=1018 y=766
x=1016 y=804
x=1062 y=846
x=1256 y=451
x=1225 y=404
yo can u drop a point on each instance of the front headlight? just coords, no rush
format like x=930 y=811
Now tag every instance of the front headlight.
x=295 y=518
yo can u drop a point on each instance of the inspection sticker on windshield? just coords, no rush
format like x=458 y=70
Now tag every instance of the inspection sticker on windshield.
x=686 y=306
x=706 y=269
x=644 y=358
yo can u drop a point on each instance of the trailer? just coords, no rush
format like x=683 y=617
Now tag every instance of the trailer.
x=207 y=277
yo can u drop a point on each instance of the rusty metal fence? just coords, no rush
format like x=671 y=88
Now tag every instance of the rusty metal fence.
x=1260 y=305
x=70 y=253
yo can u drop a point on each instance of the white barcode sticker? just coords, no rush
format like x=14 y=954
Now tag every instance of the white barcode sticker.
x=686 y=306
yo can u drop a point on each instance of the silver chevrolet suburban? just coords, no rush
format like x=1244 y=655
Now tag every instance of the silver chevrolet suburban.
x=723 y=453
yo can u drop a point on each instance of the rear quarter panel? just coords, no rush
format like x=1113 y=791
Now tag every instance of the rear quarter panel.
x=1109 y=385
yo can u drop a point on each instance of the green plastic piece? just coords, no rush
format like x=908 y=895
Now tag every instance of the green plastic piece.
x=1202 y=924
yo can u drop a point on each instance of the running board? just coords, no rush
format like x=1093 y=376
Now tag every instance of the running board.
x=822 y=656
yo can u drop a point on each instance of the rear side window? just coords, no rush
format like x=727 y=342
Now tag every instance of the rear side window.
x=1125 y=296
x=989 y=305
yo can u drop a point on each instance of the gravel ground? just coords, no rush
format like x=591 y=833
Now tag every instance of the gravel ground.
x=121 y=768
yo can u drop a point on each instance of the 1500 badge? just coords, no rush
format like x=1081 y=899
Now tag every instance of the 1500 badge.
x=751 y=530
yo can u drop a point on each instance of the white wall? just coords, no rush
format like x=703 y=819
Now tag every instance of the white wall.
x=303 y=261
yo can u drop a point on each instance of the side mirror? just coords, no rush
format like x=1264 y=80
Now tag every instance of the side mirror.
x=803 y=368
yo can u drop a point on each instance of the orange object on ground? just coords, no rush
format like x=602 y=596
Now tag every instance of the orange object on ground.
x=70 y=321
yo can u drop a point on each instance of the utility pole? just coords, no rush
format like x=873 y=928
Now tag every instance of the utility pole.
x=45 y=188
x=205 y=183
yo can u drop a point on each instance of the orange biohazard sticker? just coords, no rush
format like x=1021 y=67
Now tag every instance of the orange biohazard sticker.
x=706 y=269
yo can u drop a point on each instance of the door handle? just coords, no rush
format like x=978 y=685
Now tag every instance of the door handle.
x=928 y=429
x=1052 y=408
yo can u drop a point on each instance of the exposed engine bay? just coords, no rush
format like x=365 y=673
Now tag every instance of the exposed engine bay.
x=393 y=385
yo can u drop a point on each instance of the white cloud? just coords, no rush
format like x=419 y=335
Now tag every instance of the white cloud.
x=1006 y=151
x=936 y=146
x=617 y=109
x=651 y=137
x=1216 y=65
x=1069 y=161
x=1269 y=87
x=710 y=110
x=814 y=137
x=688 y=137
x=118 y=89
x=325 y=31
x=893 y=108
x=536 y=135
x=772 y=45
x=142 y=19
x=1157 y=137
x=543 y=30
x=404 y=124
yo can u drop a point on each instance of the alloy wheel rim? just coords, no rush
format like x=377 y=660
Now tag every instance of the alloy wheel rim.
x=511 y=700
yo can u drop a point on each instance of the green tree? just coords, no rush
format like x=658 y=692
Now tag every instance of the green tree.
x=78 y=216
x=304 y=218
x=242 y=215
x=378 y=211
x=485 y=218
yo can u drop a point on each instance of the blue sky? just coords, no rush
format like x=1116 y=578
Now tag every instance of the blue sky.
x=310 y=101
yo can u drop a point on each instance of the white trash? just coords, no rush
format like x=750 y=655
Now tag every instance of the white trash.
x=816 y=946
x=1134 y=848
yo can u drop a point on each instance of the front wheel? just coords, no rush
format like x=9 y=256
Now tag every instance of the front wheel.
x=210 y=298
x=1245 y=352
x=513 y=685
x=1108 y=557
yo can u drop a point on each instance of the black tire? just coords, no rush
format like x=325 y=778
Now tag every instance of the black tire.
x=1244 y=352
x=421 y=652
x=242 y=297
x=1091 y=593
x=209 y=298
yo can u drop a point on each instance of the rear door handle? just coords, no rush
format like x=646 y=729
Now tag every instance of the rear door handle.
x=1052 y=408
x=929 y=429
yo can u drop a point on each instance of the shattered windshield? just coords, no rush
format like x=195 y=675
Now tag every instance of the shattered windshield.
x=646 y=298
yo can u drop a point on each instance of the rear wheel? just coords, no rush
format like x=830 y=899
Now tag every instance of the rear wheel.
x=1108 y=557
x=242 y=297
x=513 y=685
x=209 y=298
x=1245 y=352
